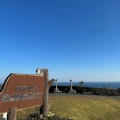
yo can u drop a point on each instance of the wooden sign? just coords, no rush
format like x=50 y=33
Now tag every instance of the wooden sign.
x=21 y=91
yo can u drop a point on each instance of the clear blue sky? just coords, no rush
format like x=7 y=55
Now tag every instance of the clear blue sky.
x=74 y=39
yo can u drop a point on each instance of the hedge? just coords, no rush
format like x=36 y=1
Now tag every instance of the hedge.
x=95 y=91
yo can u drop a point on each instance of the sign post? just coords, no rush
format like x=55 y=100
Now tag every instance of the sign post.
x=46 y=103
x=22 y=91
x=12 y=113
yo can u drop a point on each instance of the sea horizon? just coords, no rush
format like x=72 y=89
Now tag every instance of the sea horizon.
x=112 y=85
x=97 y=84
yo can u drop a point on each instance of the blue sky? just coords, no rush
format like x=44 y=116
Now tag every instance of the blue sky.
x=74 y=39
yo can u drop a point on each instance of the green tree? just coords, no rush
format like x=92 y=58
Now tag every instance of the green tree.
x=81 y=83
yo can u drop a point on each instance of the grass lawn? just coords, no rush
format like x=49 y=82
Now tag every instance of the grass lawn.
x=80 y=107
x=85 y=108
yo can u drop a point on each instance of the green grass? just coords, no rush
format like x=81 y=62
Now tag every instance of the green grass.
x=79 y=108
x=85 y=108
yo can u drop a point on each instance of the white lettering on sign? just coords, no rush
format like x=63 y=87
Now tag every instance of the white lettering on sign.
x=26 y=88
x=21 y=96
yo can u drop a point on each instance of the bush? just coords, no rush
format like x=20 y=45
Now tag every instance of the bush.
x=50 y=116
x=83 y=89
x=95 y=91
x=64 y=89
x=57 y=117
x=105 y=91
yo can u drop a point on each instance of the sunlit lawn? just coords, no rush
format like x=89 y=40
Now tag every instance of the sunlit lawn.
x=85 y=108
x=80 y=108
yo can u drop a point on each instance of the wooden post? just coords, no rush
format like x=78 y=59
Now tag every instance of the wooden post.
x=46 y=103
x=12 y=113
x=45 y=99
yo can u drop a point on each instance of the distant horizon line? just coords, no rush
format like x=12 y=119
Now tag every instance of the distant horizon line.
x=74 y=81
x=91 y=81
x=83 y=82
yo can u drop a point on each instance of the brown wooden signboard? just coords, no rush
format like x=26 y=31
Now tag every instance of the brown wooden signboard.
x=21 y=91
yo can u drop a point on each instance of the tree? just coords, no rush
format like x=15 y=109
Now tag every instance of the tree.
x=81 y=83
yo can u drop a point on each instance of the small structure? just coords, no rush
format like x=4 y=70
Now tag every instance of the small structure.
x=71 y=89
x=56 y=88
x=40 y=71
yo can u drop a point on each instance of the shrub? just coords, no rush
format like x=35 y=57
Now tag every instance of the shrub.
x=105 y=91
x=95 y=91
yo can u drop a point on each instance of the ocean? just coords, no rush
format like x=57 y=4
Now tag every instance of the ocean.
x=112 y=85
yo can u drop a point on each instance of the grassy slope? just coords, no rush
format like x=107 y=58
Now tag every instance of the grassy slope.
x=86 y=108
